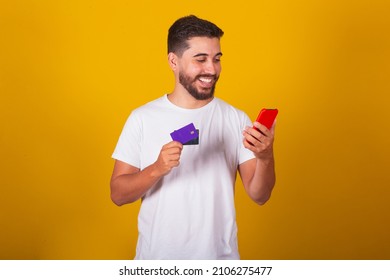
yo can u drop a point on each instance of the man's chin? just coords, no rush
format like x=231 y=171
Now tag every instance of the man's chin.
x=202 y=96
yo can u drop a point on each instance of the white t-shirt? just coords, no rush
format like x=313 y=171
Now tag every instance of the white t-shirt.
x=189 y=213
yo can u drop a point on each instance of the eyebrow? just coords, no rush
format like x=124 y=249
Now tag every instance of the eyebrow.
x=205 y=54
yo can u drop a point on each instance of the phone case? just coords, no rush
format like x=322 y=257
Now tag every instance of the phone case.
x=267 y=117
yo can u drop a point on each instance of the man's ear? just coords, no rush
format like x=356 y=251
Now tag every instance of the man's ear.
x=172 y=60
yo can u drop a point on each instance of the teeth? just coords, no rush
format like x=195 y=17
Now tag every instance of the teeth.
x=206 y=80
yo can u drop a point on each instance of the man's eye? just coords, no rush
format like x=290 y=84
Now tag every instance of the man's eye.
x=201 y=60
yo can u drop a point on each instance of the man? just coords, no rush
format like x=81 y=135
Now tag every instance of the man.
x=187 y=191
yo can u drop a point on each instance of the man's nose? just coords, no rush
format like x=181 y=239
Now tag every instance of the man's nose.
x=210 y=68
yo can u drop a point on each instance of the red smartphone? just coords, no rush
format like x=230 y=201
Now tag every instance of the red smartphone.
x=267 y=117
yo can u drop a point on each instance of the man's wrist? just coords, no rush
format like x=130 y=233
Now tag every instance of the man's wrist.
x=155 y=173
x=266 y=160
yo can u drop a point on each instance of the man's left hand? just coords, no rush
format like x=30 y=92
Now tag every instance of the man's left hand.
x=260 y=141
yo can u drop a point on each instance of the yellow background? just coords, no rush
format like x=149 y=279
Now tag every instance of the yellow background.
x=72 y=71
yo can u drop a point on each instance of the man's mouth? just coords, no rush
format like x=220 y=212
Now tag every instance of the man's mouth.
x=207 y=81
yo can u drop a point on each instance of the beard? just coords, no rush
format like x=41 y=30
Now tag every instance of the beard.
x=203 y=94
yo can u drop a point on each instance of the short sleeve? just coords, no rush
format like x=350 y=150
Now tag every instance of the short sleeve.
x=128 y=146
x=244 y=153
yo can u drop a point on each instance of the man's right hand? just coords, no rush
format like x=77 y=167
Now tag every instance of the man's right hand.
x=168 y=158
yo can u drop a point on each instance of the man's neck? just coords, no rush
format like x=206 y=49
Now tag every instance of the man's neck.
x=186 y=100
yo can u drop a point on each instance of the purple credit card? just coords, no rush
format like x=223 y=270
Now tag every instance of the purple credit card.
x=185 y=134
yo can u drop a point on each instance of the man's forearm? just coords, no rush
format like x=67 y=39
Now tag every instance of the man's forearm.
x=128 y=188
x=263 y=180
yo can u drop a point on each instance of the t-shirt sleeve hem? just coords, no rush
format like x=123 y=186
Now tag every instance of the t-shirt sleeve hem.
x=246 y=158
x=120 y=157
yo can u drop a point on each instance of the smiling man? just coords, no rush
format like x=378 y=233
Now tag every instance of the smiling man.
x=187 y=189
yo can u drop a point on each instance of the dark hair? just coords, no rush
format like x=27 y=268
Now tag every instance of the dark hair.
x=188 y=27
